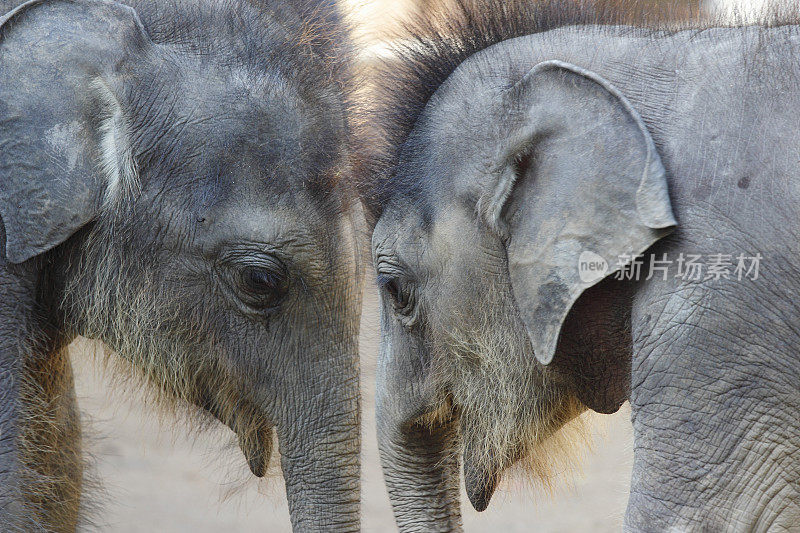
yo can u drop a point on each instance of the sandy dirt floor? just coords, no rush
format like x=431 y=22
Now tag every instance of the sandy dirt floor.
x=158 y=477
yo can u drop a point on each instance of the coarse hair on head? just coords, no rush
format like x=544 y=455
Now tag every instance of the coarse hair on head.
x=304 y=44
x=308 y=39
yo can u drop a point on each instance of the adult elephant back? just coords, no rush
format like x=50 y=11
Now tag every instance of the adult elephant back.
x=173 y=183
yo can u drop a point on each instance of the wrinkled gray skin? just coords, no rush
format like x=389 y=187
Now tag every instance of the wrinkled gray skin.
x=711 y=368
x=167 y=187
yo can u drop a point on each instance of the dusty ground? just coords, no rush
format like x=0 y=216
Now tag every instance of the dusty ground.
x=157 y=478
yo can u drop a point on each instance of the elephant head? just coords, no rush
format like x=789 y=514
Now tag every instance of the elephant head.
x=488 y=198
x=172 y=184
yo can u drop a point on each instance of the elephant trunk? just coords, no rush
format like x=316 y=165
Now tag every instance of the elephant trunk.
x=320 y=443
x=420 y=467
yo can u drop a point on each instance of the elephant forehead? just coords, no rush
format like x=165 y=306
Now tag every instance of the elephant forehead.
x=427 y=248
x=221 y=111
x=254 y=217
x=219 y=140
x=397 y=231
x=454 y=125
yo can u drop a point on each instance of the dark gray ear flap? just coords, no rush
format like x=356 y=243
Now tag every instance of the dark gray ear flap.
x=63 y=141
x=580 y=176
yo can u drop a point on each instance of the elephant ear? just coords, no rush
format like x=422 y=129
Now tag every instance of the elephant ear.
x=578 y=180
x=64 y=147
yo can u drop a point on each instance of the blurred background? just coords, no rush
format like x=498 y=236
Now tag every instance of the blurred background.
x=163 y=477
x=377 y=18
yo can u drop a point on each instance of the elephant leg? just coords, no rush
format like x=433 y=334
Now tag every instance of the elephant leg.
x=714 y=399
x=50 y=443
x=41 y=469
x=16 y=310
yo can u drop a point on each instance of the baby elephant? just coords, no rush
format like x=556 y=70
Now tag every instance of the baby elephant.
x=532 y=156
x=171 y=184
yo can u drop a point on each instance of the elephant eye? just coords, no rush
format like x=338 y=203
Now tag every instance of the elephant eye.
x=263 y=287
x=400 y=294
x=261 y=279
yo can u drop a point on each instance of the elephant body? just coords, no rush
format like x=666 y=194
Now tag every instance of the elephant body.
x=715 y=362
x=486 y=196
x=173 y=183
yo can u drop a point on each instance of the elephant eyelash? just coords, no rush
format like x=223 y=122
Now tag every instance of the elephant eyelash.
x=382 y=280
x=257 y=284
x=392 y=281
